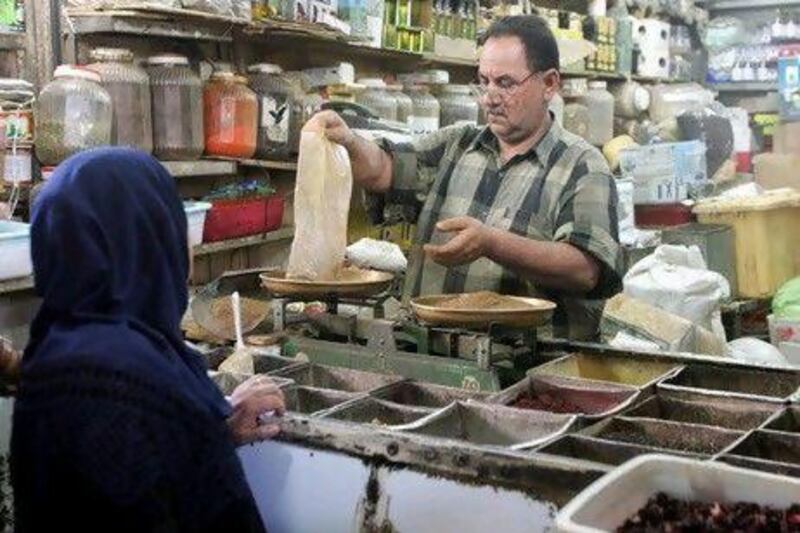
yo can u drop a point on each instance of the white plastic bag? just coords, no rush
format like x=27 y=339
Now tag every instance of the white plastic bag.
x=675 y=279
x=756 y=351
x=380 y=255
x=321 y=207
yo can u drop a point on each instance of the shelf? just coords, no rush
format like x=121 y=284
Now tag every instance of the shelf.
x=16 y=285
x=613 y=76
x=261 y=163
x=12 y=41
x=282 y=234
x=202 y=167
x=745 y=86
x=721 y=5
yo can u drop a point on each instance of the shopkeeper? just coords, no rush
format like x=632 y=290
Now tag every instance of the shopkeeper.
x=518 y=207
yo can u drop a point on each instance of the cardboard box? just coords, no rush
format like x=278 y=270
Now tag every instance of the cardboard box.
x=776 y=171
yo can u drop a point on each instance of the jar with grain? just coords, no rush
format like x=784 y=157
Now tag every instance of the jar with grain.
x=278 y=123
x=230 y=115
x=377 y=98
x=458 y=105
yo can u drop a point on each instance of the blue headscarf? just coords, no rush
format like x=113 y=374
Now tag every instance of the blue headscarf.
x=113 y=406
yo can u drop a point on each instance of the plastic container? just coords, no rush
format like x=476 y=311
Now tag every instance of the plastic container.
x=556 y=106
x=457 y=105
x=230 y=115
x=425 y=116
x=405 y=107
x=177 y=108
x=767 y=253
x=15 y=250
x=229 y=219
x=600 y=104
x=196 y=219
x=377 y=98
x=608 y=502
x=576 y=114
x=73 y=113
x=278 y=122
x=18 y=163
x=669 y=101
x=658 y=216
x=129 y=88
x=783 y=330
x=630 y=100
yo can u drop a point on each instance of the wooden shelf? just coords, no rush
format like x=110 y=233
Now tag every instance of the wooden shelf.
x=260 y=163
x=282 y=234
x=16 y=285
x=201 y=167
x=744 y=86
x=12 y=41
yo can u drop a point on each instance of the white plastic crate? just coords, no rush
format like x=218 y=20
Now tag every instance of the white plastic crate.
x=196 y=219
x=608 y=502
x=15 y=250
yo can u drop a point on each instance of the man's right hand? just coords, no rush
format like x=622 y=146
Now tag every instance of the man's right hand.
x=334 y=128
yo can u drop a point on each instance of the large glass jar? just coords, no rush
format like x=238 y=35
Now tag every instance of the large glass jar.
x=230 y=115
x=129 y=87
x=73 y=113
x=405 y=107
x=458 y=105
x=600 y=104
x=556 y=106
x=177 y=108
x=278 y=122
x=630 y=100
x=305 y=104
x=377 y=98
x=425 y=116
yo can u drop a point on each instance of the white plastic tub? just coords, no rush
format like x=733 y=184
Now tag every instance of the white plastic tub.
x=15 y=250
x=196 y=219
x=608 y=502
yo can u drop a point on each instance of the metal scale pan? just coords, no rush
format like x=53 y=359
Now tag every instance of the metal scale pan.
x=529 y=312
x=354 y=283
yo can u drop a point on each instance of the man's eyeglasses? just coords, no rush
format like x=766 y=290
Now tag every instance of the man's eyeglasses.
x=505 y=86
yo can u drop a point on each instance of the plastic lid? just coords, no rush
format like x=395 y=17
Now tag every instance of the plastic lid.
x=74 y=71
x=112 y=54
x=372 y=83
x=574 y=87
x=438 y=77
x=457 y=89
x=264 y=68
x=597 y=84
x=168 y=59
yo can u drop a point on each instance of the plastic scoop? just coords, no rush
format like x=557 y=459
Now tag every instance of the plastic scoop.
x=241 y=360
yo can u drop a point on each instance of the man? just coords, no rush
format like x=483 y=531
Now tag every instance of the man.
x=519 y=207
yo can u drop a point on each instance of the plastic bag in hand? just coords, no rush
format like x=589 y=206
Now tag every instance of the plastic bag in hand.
x=321 y=207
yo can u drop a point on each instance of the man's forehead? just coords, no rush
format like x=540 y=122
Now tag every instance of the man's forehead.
x=502 y=55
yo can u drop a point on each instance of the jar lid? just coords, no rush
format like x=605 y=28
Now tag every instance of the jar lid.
x=264 y=68
x=438 y=77
x=74 y=71
x=574 y=87
x=641 y=99
x=112 y=54
x=372 y=83
x=168 y=59
x=394 y=88
x=597 y=84
x=457 y=89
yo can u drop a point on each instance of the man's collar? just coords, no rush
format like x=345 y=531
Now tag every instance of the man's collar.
x=487 y=140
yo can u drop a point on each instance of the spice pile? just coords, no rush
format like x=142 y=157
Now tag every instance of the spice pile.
x=483 y=300
x=253 y=312
x=547 y=402
x=663 y=513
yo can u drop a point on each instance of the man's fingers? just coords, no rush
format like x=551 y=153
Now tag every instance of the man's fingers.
x=453 y=224
x=262 y=404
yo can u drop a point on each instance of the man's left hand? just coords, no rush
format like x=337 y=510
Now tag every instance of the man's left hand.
x=470 y=241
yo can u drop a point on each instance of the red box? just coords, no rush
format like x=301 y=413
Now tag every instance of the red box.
x=660 y=215
x=229 y=219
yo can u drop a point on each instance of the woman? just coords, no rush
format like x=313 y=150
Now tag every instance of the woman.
x=117 y=426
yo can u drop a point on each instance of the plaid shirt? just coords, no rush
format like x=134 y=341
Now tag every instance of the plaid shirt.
x=561 y=190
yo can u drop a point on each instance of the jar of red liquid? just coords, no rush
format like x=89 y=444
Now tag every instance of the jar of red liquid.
x=230 y=116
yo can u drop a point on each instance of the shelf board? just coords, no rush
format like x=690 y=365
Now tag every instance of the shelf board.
x=146 y=23
x=745 y=86
x=722 y=5
x=201 y=167
x=12 y=41
x=260 y=163
x=16 y=285
x=282 y=234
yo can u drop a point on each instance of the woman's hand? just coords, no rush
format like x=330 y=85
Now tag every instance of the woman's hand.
x=255 y=397
x=9 y=361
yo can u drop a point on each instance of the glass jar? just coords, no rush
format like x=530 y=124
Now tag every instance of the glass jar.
x=177 y=108
x=278 y=122
x=73 y=113
x=405 y=107
x=556 y=106
x=129 y=87
x=305 y=104
x=230 y=115
x=458 y=105
x=600 y=104
x=630 y=99
x=424 y=118
x=377 y=99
